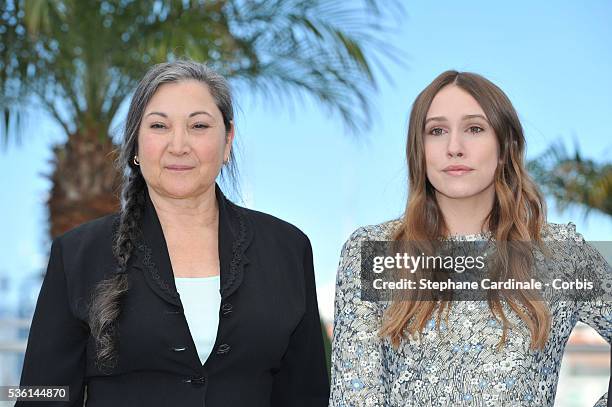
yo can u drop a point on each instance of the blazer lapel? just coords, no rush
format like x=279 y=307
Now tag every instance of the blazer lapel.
x=153 y=257
x=235 y=236
x=151 y=254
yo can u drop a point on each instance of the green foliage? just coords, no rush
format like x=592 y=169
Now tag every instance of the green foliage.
x=573 y=180
x=81 y=58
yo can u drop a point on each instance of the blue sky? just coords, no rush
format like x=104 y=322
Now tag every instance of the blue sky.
x=301 y=166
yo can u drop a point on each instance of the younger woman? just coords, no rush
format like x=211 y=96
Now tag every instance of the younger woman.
x=467 y=182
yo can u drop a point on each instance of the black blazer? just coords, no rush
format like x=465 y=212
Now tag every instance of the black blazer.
x=268 y=351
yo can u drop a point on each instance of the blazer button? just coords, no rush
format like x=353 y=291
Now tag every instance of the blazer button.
x=226 y=309
x=195 y=380
x=178 y=348
x=223 y=349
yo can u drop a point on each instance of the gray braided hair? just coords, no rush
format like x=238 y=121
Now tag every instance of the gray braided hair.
x=106 y=299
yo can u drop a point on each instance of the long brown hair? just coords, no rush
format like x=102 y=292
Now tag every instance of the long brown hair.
x=518 y=212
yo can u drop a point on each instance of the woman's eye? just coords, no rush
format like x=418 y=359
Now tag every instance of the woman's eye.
x=201 y=126
x=436 y=131
x=157 y=126
x=475 y=129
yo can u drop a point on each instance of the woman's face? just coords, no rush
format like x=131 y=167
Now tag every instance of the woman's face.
x=182 y=141
x=461 y=149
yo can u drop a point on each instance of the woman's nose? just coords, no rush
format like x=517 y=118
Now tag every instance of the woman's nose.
x=178 y=141
x=454 y=147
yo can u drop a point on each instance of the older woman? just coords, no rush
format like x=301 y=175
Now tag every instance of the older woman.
x=182 y=298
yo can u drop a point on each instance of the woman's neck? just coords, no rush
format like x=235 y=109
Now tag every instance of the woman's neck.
x=466 y=216
x=186 y=214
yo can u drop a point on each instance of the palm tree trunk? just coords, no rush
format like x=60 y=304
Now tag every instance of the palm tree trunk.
x=85 y=181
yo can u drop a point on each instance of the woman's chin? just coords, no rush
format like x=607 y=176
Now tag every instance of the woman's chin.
x=467 y=193
x=181 y=192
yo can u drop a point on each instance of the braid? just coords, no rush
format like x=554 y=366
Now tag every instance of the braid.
x=133 y=198
x=106 y=307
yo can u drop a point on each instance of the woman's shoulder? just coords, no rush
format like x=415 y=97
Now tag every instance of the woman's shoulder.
x=561 y=231
x=94 y=230
x=272 y=225
x=86 y=255
x=377 y=232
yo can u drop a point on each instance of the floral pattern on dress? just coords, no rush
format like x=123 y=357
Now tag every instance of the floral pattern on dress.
x=457 y=364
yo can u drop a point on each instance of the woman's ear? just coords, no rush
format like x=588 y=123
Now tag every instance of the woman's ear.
x=229 y=139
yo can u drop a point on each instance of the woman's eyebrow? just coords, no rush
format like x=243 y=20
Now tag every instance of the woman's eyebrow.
x=200 y=112
x=466 y=117
x=158 y=113
x=437 y=119
x=190 y=115
x=474 y=116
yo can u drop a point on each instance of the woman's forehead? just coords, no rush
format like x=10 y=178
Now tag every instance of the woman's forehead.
x=453 y=102
x=185 y=97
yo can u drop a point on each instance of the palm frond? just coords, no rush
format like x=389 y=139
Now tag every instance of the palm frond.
x=573 y=180
x=81 y=59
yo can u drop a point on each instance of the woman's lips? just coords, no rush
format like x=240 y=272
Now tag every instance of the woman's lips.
x=179 y=167
x=456 y=173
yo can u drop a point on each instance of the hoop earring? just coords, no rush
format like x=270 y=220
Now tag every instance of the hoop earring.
x=226 y=161
x=136 y=162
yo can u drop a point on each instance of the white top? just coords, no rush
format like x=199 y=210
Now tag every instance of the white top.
x=201 y=300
